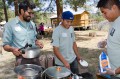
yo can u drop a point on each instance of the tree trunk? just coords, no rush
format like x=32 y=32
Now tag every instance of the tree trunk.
x=16 y=7
x=75 y=8
x=5 y=11
x=59 y=4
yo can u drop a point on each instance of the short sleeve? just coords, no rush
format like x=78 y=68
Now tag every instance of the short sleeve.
x=7 y=35
x=55 y=38
x=35 y=28
x=73 y=34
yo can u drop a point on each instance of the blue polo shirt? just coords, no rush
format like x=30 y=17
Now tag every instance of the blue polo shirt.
x=17 y=33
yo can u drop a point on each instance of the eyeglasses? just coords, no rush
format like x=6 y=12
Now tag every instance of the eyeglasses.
x=30 y=12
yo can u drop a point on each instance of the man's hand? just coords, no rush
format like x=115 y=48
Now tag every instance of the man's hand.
x=39 y=44
x=109 y=71
x=102 y=44
x=16 y=52
x=79 y=58
x=67 y=65
x=12 y=49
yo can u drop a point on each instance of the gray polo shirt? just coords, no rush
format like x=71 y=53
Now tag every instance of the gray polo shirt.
x=64 y=39
x=113 y=44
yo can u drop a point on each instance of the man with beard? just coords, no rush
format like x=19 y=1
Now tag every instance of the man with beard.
x=20 y=31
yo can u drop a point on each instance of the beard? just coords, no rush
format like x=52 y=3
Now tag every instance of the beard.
x=27 y=18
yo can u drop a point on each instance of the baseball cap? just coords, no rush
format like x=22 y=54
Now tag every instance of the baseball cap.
x=67 y=15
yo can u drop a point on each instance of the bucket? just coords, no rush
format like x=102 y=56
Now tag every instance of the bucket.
x=29 y=71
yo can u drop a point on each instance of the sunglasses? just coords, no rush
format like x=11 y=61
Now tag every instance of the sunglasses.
x=30 y=12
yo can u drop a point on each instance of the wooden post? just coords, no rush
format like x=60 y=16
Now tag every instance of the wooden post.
x=5 y=11
x=59 y=10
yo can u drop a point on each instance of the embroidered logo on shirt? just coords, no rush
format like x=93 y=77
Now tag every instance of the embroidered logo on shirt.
x=17 y=28
x=112 y=31
x=64 y=34
x=31 y=27
x=71 y=35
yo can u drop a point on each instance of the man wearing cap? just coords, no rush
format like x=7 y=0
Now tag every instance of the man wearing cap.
x=64 y=45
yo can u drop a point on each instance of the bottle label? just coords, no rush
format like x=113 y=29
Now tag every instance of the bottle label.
x=104 y=63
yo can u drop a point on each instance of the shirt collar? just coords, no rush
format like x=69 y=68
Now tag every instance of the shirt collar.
x=118 y=19
x=17 y=19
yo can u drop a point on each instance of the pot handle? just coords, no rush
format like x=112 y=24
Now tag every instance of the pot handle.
x=30 y=45
x=42 y=70
x=22 y=50
x=43 y=73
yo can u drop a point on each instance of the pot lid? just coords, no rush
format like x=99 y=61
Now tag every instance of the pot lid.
x=28 y=70
x=57 y=72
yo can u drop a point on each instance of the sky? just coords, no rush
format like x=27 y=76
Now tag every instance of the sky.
x=90 y=2
x=46 y=4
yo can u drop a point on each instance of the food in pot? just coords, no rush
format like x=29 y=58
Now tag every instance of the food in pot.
x=58 y=68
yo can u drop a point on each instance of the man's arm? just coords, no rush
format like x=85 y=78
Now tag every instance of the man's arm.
x=60 y=57
x=117 y=71
x=38 y=43
x=75 y=48
x=112 y=72
x=8 y=48
x=12 y=49
x=102 y=43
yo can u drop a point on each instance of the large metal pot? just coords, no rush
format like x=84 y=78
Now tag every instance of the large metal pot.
x=57 y=72
x=30 y=52
x=29 y=71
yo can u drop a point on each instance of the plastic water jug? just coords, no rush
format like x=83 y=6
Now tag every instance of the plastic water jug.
x=103 y=62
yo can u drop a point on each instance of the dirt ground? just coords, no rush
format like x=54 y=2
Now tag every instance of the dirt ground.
x=87 y=47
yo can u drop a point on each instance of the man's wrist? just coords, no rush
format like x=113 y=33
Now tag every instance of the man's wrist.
x=114 y=72
x=78 y=57
x=11 y=49
x=117 y=71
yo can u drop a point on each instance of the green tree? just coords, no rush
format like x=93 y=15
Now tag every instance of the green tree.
x=5 y=10
x=16 y=7
x=16 y=2
x=1 y=10
x=75 y=3
x=59 y=5
x=10 y=14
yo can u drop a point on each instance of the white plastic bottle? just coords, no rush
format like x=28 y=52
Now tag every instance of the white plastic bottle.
x=103 y=62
